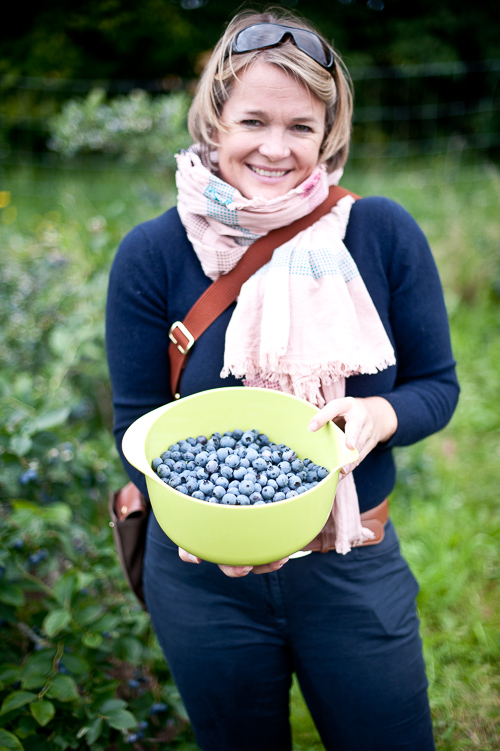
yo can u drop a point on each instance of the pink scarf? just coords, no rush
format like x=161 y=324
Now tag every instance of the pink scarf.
x=304 y=322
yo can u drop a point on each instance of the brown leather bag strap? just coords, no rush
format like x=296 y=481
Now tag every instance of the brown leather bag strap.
x=225 y=289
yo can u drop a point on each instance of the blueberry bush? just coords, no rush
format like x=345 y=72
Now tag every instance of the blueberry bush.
x=138 y=127
x=79 y=665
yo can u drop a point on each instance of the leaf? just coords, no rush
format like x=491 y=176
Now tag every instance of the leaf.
x=75 y=664
x=95 y=731
x=49 y=419
x=11 y=594
x=56 y=621
x=15 y=700
x=89 y=614
x=58 y=512
x=110 y=705
x=20 y=445
x=35 y=681
x=65 y=587
x=64 y=688
x=10 y=741
x=92 y=641
x=121 y=719
x=43 y=711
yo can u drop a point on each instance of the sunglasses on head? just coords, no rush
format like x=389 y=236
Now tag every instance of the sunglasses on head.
x=259 y=36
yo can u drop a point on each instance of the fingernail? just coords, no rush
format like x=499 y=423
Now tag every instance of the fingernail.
x=283 y=561
x=193 y=558
x=313 y=426
x=245 y=570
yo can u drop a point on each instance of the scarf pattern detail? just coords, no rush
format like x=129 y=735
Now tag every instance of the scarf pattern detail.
x=305 y=321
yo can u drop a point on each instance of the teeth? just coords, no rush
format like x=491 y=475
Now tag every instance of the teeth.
x=268 y=173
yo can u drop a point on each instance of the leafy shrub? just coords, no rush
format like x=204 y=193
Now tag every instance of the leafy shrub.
x=79 y=665
x=138 y=127
x=77 y=653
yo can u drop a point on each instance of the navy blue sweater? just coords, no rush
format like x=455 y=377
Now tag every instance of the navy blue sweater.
x=156 y=278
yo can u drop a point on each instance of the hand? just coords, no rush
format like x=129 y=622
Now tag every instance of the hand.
x=236 y=572
x=366 y=422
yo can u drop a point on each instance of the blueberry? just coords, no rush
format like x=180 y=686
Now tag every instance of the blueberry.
x=301 y=489
x=244 y=462
x=201 y=473
x=259 y=503
x=221 y=482
x=259 y=464
x=247 y=438
x=263 y=439
x=174 y=481
x=294 y=483
x=201 y=439
x=212 y=466
x=254 y=497
x=237 y=434
x=291 y=494
x=229 y=498
x=312 y=476
x=243 y=500
x=268 y=493
x=158 y=708
x=176 y=456
x=182 y=489
x=163 y=471
x=273 y=472
x=219 y=492
x=239 y=473
x=199 y=495
x=174 y=447
x=297 y=465
x=192 y=484
x=247 y=487
x=234 y=484
x=285 y=467
x=272 y=483
x=227 y=442
x=276 y=457
x=322 y=473
x=132 y=683
x=279 y=496
x=156 y=462
x=206 y=487
x=282 y=480
x=233 y=461
x=289 y=455
x=166 y=455
x=252 y=455
x=179 y=466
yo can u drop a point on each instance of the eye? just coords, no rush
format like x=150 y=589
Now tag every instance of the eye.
x=299 y=128
x=251 y=123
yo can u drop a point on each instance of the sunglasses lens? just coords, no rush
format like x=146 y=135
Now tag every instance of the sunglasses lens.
x=312 y=46
x=264 y=35
x=257 y=37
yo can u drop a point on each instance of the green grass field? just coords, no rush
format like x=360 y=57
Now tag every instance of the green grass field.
x=445 y=505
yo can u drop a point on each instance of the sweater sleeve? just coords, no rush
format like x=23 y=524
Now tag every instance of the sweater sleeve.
x=426 y=389
x=137 y=336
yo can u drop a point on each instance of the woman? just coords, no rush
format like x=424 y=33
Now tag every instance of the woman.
x=271 y=126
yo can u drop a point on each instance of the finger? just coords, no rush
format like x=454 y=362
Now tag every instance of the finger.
x=188 y=557
x=235 y=572
x=334 y=409
x=267 y=568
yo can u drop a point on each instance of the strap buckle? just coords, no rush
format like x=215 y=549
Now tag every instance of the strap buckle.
x=183 y=349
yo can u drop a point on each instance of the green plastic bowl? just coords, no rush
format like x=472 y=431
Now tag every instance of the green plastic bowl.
x=239 y=535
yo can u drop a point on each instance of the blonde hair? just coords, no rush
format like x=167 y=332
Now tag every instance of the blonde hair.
x=333 y=89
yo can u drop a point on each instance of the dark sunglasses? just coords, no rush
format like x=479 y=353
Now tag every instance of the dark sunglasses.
x=263 y=35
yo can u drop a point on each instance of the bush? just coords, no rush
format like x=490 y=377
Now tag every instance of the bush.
x=138 y=127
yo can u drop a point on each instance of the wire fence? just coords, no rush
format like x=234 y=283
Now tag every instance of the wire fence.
x=400 y=113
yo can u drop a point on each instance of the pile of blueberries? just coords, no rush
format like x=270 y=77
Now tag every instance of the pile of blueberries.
x=239 y=467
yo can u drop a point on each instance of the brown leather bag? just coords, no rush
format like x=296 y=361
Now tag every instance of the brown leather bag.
x=128 y=508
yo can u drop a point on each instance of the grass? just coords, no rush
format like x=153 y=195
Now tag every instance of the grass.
x=445 y=505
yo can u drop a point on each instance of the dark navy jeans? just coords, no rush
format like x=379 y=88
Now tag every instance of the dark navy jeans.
x=346 y=625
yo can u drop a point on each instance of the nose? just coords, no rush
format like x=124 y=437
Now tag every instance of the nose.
x=274 y=146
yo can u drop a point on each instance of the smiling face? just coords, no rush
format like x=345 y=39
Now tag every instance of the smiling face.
x=274 y=131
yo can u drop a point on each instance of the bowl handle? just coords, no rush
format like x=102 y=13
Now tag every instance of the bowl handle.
x=347 y=456
x=134 y=440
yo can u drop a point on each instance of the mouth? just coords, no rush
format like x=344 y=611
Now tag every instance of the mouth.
x=267 y=172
